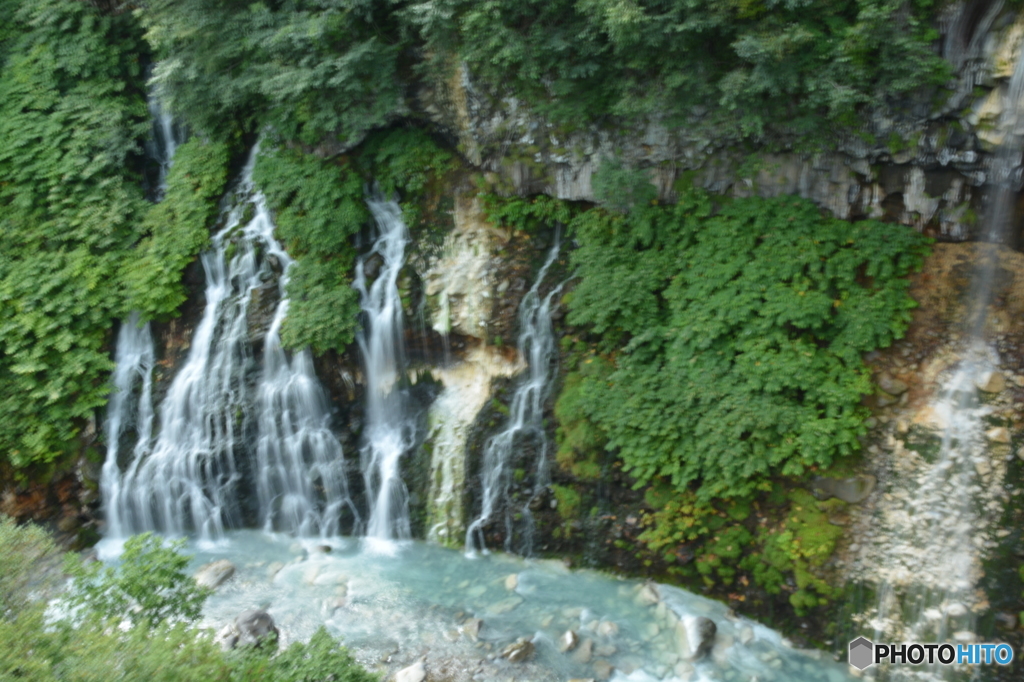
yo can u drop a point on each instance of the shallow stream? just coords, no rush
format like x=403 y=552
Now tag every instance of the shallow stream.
x=393 y=603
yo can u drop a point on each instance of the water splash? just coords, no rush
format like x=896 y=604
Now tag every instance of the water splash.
x=536 y=344
x=131 y=404
x=389 y=432
x=192 y=477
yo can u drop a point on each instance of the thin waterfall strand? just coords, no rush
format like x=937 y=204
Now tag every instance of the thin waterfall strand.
x=536 y=344
x=389 y=432
x=133 y=371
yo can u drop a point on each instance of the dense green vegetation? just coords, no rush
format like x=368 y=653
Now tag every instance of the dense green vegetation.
x=72 y=109
x=727 y=339
x=743 y=67
x=150 y=588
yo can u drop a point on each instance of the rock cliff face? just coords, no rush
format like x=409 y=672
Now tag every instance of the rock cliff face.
x=911 y=162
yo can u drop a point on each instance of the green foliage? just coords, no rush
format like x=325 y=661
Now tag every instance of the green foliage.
x=33 y=650
x=721 y=553
x=322 y=659
x=72 y=108
x=405 y=160
x=150 y=586
x=178 y=227
x=569 y=502
x=578 y=441
x=800 y=544
x=620 y=188
x=786 y=549
x=151 y=589
x=527 y=214
x=678 y=518
x=311 y=69
x=741 y=334
x=28 y=555
x=318 y=206
x=788 y=68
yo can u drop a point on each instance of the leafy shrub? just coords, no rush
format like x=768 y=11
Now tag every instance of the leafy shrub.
x=28 y=553
x=149 y=587
x=741 y=333
x=72 y=109
x=178 y=227
x=309 y=69
x=800 y=544
x=319 y=205
x=322 y=659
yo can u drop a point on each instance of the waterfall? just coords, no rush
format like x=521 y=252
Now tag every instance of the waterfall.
x=389 y=432
x=190 y=478
x=536 y=344
x=163 y=142
x=299 y=460
x=938 y=560
x=134 y=368
x=928 y=574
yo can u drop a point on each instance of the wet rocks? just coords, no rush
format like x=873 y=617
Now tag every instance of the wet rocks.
x=853 y=490
x=602 y=669
x=998 y=434
x=990 y=382
x=256 y=627
x=568 y=641
x=414 y=673
x=214 y=574
x=471 y=628
x=512 y=581
x=890 y=385
x=518 y=651
x=584 y=652
x=706 y=631
x=251 y=628
x=505 y=605
x=648 y=595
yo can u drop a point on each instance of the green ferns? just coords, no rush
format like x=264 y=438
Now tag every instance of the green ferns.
x=178 y=228
x=72 y=107
x=736 y=335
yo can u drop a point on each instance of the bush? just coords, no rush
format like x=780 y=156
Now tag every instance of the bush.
x=72 y=112
x=161 y=601
x=149 y=587
x=28 y=555
x=737 y=335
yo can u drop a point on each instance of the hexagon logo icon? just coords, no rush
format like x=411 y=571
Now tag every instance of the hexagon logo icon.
x=862 y=653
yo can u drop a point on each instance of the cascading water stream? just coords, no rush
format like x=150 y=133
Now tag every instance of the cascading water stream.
x=389 y=432
x=536 y=344
x=190 y=479
x=134 y=369
x=929 y=592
